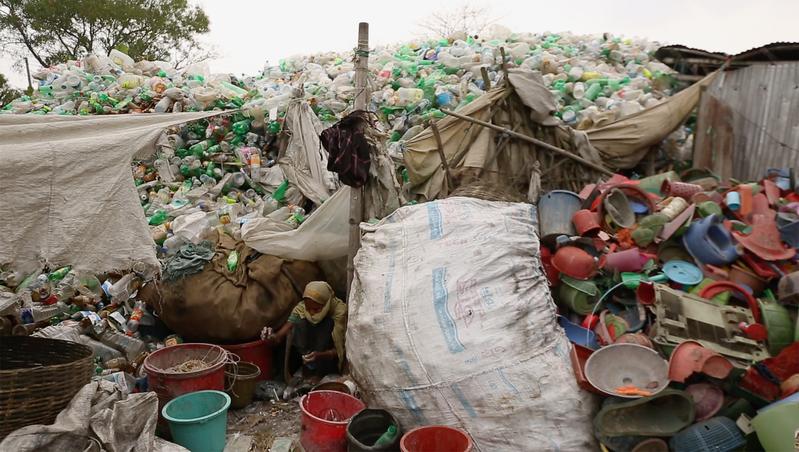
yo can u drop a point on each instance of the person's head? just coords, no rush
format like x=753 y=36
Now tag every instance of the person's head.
x=316 y=296
x=312 y=306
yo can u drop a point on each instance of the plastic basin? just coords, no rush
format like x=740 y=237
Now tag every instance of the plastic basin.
x=256 y=352
x=198 y=420
x=436 y=438
x=324 y=419
x=775 y=426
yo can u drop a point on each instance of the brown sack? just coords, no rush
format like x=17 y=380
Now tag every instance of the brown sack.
x=220 y=306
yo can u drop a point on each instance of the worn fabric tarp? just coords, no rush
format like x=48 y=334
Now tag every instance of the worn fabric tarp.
x=99 y=418
x=68 y=193
x=623 y=143
x=304 y=162
x=619 y=144
x=322 y=236
x=470 y=148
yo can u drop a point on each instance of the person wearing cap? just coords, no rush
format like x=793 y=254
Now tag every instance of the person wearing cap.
x=316 y=328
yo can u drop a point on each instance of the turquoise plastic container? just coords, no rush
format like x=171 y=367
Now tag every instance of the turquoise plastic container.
x=198 y=420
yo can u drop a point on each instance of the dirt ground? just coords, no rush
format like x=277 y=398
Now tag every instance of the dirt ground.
x=257 y=427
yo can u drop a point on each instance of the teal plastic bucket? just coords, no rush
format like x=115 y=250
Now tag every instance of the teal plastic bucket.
x=198 y=420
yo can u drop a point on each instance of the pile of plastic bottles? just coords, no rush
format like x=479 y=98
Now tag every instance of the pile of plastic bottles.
x=215 y=174
x=76 y=306
x=592 y=76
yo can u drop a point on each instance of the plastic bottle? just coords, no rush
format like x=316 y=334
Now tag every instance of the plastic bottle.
x=121 y=290
x=578 y=91
x=135 y=317
x=272 y=202
x=158 y=218
x=409 y=96
x=387 y=438
x=163 y=105
x=102 y=351
x=130 y=347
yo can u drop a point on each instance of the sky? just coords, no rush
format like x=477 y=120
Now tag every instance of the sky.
x=247 y=33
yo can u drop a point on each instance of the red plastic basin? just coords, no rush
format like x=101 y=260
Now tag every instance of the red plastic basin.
x=436 y=438
x=256 y=352
x=325 y=415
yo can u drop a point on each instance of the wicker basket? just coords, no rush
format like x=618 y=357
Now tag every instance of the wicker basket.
x=38 y=378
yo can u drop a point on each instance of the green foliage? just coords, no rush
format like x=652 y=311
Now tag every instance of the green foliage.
x=54 y=31
x=7 y=94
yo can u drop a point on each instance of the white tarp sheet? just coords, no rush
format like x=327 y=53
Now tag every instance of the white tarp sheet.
x=323 y=236
x=451 y=322
x=68 y=194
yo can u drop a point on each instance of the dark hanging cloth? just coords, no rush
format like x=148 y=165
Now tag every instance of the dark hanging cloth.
x=348 y=147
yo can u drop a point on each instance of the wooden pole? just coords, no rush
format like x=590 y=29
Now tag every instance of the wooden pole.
x=356 y=194
x=441 y=155
x=28 y=71
x=536 y=142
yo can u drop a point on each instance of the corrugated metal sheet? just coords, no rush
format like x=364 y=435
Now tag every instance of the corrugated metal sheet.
x=764 y=104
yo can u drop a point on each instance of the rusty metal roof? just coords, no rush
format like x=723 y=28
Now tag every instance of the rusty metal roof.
x=696 y=63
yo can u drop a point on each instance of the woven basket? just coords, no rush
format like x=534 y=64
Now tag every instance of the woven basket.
x=38 y=378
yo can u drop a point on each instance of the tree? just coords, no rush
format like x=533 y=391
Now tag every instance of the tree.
x=7 y=93
x=467 y=19
x=54 y=31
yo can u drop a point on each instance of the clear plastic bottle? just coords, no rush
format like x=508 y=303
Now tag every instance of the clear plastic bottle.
x=131 y=347
x=121 y=290
x=102 y=351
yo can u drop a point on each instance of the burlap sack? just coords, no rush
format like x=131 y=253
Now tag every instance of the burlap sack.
x=220 y=306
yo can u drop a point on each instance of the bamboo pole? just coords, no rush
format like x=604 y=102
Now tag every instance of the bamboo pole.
x=356 y=194
x=534 y=141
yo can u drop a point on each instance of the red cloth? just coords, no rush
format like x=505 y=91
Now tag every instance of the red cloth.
x=783 y=366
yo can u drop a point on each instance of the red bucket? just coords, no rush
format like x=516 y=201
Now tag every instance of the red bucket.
x=256 y=352
x=434 y=438
x=168 y=385
x=325 y=415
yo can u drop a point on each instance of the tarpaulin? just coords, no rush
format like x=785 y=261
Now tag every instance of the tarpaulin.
x=304 y=161
x=467 y=146
x=68 y=194
x=624 y=142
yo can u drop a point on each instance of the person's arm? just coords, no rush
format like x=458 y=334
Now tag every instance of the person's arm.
x=278 y=337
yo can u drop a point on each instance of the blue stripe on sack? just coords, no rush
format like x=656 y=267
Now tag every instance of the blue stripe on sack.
x=392 y=263
x=445 y=321
x=464 y=402
x=435 y=221
x=410 y=404
x=507 y=382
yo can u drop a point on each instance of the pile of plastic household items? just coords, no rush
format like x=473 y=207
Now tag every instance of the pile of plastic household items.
x=680 y=296
x=102 y=313
x=594 y=77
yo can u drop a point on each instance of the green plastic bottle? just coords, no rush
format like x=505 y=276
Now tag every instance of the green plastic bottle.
x=388 y=437
x=59 y=274
x=241 y=127
x=158 y=218
x=274 y=127
x=233 y=261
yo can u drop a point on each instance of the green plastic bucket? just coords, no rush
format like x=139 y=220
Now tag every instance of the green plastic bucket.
x=198 y=420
